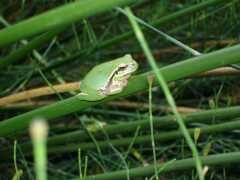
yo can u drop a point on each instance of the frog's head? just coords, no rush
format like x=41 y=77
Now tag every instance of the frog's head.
x=125 y=66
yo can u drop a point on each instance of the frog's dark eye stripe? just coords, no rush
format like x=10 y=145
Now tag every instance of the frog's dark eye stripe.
x=121 y=68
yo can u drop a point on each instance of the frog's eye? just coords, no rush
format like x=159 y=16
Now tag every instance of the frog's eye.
x=122 y=65
x=121 y=68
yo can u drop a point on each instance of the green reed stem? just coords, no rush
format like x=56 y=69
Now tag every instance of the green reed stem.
x=13 y=126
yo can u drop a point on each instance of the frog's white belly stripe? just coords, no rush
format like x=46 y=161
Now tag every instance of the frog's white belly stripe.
x=109 y=81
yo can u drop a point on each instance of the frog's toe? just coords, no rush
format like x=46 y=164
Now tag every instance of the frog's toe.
x=82 y=94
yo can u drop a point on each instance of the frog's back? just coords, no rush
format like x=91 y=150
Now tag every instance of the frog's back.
x=98 y=77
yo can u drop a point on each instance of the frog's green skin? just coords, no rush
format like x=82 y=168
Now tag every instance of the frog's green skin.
x=107 y=78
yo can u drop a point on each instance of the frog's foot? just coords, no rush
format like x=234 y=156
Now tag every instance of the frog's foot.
x=82 y=94
x=87 y=97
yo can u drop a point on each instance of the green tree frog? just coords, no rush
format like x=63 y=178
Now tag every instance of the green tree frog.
x=107 y=78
